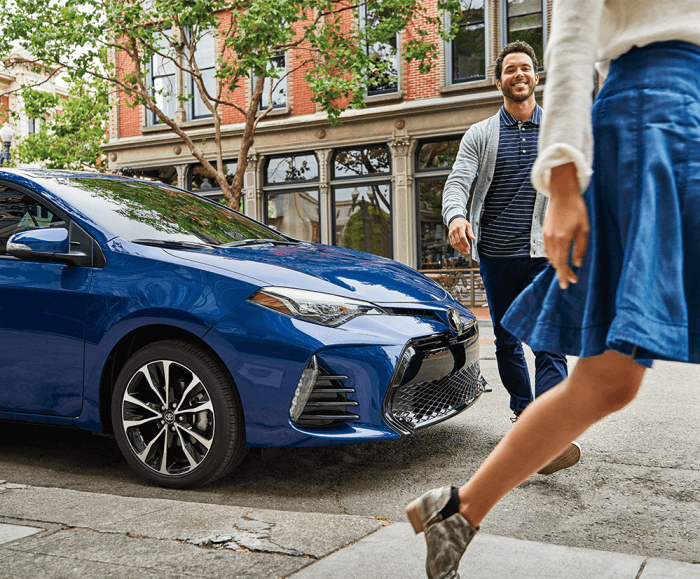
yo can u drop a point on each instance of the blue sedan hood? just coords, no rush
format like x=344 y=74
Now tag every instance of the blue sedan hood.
x=336 y=270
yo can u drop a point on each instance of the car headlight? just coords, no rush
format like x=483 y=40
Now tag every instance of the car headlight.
x=312 y=306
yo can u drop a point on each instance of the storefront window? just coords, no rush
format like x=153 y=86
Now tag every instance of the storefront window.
x=200 y=181
x=295 y=213
x=361 y=161
x=292 y=168
x=291 y=207
x=433 y=165
x=363 y=218
x=437 y=155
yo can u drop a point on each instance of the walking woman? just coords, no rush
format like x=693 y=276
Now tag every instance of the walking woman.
x=623 y=286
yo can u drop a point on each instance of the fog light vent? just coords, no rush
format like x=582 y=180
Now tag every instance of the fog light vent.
x=321 y=399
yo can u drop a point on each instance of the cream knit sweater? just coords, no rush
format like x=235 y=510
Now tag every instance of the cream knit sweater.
x=586 y=32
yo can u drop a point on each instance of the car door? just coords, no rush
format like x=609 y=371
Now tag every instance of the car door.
x=42 y=318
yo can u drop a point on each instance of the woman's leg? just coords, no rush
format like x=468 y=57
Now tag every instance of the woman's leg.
x=597 y=387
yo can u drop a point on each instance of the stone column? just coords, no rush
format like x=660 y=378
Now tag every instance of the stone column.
x=181 y=176
x=254 y=202
x=324 y=156
x=403 y=200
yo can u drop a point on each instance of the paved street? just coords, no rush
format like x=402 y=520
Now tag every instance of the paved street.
x=635 y=492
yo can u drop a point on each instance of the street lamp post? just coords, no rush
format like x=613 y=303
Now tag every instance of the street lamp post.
x=6 y=134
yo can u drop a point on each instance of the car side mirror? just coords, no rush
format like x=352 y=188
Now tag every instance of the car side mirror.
x=50 y=244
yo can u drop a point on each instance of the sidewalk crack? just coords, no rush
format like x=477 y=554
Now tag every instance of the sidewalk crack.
x=641 y=569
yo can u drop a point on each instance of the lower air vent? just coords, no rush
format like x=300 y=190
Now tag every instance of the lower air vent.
x=327 y=405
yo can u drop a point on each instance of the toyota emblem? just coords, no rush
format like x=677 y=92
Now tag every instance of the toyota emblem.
x=454 y=320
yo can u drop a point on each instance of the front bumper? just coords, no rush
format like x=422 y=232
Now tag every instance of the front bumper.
x=363 y=392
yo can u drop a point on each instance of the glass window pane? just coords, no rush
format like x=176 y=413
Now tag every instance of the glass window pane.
x=279 y=85
x=201 y=181
x=520 y=7
x=296 y=168
x=19 y=212
x=363 y=218
x=387 y=81
x=469 y=53
x=200 y=110
x=438 y=155
x=435 y=249
x=165 y=96
x=361 y=161
x=295 y=214
x=206 y=51
x=379 y=83
x=162 y=66
x=529 y=29
x=167 y=175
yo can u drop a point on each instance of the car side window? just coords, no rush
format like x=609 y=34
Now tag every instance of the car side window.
x=18 y=212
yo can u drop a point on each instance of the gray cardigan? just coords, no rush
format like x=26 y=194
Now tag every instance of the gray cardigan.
x=477 y=159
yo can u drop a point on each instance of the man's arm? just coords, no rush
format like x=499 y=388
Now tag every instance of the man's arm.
x=455 y=196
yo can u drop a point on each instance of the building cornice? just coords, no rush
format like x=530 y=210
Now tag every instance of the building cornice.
x=317 y=121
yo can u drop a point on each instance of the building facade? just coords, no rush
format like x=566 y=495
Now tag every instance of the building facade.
x=16 y=72
x=374 y=183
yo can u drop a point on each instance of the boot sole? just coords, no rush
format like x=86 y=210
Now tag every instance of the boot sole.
x=413 y=514
x=566 y=459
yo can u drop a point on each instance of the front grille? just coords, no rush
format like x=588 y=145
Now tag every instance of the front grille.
x=437 y=377
x=420 y=404
x=327 y=404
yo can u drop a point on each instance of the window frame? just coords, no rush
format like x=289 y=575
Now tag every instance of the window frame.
x=356 y=181
x=505 y=28
x=449 y=52
x=192 y=88
x=290 y=187
x=266 y=88
x=362 y=14
x=426 y=175
x=152 y=119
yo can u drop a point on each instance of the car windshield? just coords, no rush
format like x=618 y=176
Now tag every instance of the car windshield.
x=153 y=213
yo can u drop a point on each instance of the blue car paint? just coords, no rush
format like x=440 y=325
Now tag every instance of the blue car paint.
x=42 y=328
x=52 y=240
x=204 y=293
x=331 y=269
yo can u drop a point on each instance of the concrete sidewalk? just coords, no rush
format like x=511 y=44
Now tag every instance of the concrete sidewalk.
x=61 y=534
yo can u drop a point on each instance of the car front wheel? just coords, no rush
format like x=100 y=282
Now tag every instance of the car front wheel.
x=177 y=416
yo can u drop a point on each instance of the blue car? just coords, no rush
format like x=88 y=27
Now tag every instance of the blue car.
x=192 y=332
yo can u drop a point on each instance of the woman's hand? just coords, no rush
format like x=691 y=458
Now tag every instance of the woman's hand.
x=566 y=223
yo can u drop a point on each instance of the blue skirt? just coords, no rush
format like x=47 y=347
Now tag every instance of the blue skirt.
x=639 y=284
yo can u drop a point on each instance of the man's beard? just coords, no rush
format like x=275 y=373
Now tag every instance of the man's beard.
x=518 y=98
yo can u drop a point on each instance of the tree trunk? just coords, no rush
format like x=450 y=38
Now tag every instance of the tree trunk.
x=234 y=201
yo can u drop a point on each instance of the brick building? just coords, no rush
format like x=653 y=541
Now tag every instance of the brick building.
x=375 y=183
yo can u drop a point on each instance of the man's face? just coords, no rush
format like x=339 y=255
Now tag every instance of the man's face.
x=518 y=78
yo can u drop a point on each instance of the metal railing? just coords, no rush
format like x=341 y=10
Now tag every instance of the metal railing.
x=464 y=284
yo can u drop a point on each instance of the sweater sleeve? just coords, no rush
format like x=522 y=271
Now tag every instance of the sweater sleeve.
x=455 y=195
x=565 y=133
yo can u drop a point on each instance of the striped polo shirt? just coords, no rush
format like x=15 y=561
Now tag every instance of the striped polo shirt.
x=510 y=201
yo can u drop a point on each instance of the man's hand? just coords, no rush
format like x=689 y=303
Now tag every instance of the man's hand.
x=566 y=223
x=460 y=230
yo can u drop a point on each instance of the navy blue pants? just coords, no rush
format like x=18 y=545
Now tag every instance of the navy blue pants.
x=504 y=279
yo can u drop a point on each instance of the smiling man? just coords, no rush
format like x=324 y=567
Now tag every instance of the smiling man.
x=504 y=230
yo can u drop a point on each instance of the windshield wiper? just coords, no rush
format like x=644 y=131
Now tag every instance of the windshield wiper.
x=170 y=243
x=259 y=241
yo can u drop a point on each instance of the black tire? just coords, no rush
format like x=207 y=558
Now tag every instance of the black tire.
x=189 y=436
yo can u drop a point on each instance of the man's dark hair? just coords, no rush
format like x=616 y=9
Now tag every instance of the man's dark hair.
x=516 y=46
